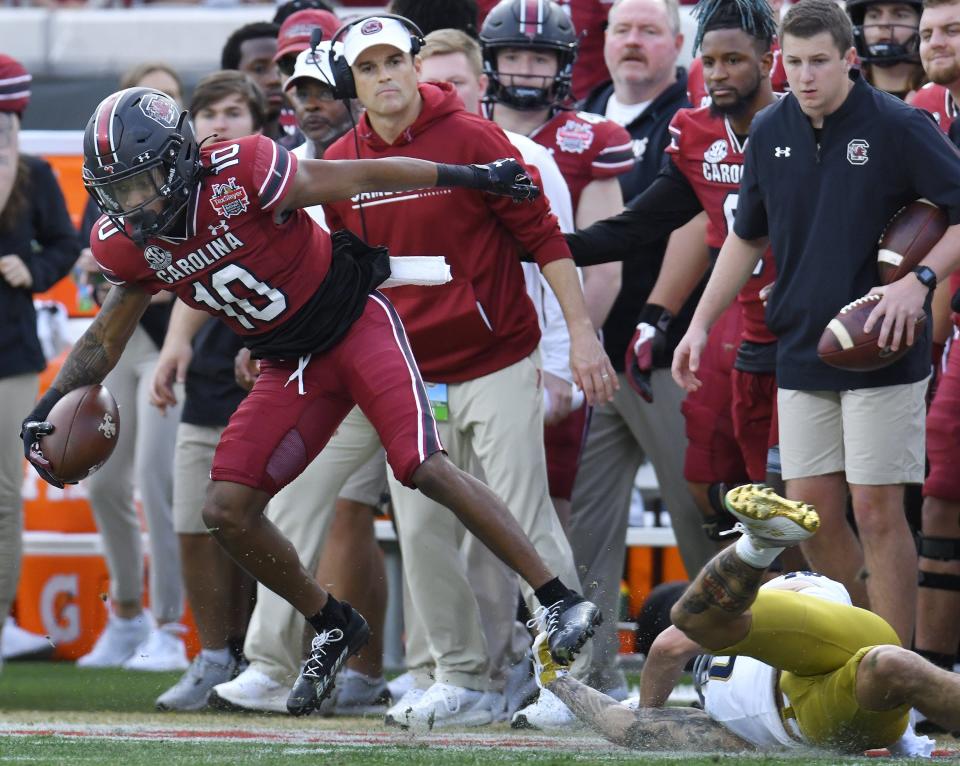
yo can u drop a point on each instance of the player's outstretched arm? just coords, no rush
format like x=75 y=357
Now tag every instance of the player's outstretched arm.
x=669 y=654
x=319 y=181
x=683 y=729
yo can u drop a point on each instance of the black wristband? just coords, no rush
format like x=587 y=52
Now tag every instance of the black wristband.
x=43 y=407
x=465 y=176
x=655 y=315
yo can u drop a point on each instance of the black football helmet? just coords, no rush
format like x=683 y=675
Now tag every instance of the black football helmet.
x=537 y=24
x=141 y=161
x=887 y=52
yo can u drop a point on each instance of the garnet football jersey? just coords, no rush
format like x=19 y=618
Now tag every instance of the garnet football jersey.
x=937 y=100
x=237 y=262
x=586 y=147
x=697 y=89
x=706 y=151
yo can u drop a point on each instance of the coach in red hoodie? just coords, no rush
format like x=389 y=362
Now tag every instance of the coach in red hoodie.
x=476 y=338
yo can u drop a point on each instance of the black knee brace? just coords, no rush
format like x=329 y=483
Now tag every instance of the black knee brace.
x=939 y=549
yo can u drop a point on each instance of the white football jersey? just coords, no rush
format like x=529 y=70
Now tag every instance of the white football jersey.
x=739 y=691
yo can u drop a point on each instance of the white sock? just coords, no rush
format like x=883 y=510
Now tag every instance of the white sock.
x=752 y=554
x=219 y=656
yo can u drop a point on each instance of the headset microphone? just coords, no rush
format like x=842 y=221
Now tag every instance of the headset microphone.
x=316 y=35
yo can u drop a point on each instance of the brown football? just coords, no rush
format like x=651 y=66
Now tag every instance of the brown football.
x=907 y=239
x=845 y=345
x=86 y=427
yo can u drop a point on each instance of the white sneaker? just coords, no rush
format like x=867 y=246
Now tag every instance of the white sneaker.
x=402 y=684
x=357 y=694
x=163 y=650
x=118 y=641
x=193 y=688
x=771 y=521
x=396 y=714
x=17 y=643
x=548 y=713
x=445 y=705
x=252 y=690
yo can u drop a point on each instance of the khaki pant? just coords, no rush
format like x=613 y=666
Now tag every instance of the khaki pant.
x=621 y=434
x=143 y=458
x=18 y=394
x=302 y=511
x=496 y=421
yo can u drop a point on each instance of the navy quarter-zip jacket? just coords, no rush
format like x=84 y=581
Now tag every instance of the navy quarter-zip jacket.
x=824 y=200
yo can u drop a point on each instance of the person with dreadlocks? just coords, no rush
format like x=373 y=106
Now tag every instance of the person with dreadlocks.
x=731 y=421
x=696 y=84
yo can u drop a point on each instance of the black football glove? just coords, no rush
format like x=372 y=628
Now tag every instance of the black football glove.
x=648 y=349
x=504 y=177
x=33 y=427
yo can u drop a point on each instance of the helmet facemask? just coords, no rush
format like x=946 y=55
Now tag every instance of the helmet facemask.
x=553 y=89
x=884 y=53
x=145 y=192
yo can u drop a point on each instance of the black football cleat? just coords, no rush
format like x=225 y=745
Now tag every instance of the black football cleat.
x=568 y=624
x=328 y=652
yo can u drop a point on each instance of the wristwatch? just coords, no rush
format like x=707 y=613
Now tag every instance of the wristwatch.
x=927 y=276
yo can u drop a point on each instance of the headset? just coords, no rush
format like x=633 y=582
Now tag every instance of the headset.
x=345 y=87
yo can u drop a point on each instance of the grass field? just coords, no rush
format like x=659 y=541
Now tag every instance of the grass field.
x=56 y=713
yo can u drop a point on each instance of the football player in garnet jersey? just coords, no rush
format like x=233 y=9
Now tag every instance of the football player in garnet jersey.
x=729 y=422
x=795 y=665
x=223 y=228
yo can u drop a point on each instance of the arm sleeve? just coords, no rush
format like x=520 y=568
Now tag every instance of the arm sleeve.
x=932 y=163
x=55 y=233
x=274 y=169
x=665 y=205
x=751 y=218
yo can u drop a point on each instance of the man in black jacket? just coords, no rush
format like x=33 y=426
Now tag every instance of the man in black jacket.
x=641 y=47
x=38 y=245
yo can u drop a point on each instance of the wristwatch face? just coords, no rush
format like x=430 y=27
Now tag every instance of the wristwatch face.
x=926 y=275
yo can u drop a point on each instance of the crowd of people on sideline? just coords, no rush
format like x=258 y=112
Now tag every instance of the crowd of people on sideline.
x=686 y=336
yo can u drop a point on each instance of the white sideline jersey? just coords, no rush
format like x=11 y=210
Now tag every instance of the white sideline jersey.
x=739 y=691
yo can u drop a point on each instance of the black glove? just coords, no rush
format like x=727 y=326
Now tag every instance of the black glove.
x=505 y=177
x=648 y=349
x=33 y=427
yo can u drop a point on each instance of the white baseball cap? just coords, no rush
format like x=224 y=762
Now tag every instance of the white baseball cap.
x=315 y=66
x=375 y=31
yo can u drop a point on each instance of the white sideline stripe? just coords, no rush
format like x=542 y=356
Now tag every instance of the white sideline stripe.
x=90 y=543
x=889 y=256
x=840 y=333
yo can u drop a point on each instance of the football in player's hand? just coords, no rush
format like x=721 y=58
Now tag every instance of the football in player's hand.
x=907 y=239
x=86 y=426
x=845 y=345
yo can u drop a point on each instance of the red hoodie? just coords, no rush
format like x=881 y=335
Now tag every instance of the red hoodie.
x=483 y=320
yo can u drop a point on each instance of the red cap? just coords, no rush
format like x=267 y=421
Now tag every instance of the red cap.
x=14 y=85
x=294 y=35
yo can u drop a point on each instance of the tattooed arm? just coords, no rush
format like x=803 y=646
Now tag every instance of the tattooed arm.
x=713 y=611
x=647 y=728
x=100 y=347
x=668 y=655
x=9 y=151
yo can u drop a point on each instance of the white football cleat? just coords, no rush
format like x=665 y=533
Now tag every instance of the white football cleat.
x=193 y=689
x=402 y=684
x=253 y=692
x=118 y=641
x=396 y=714
x=444 y=705
x=547 y=713
x=17 y=643
x=769 y=520
x=162 y=651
